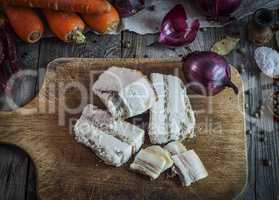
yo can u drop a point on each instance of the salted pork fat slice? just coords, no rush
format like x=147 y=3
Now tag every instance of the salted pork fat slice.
x=125 y=92
x=113 y=141
x=152 y=161
x=175 y=148
x=189 y=167
x=171 y=117
x=187 y=164
x=159 y=151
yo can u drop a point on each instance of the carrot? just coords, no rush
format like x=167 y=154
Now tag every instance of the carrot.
x=25 y=23
x=68 y=27
x=81 y=6
x=103 y=23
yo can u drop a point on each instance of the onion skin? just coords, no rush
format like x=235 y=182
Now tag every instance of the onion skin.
x=217 y=8
x=207 y=73
x=175 y=31
x=127 y=8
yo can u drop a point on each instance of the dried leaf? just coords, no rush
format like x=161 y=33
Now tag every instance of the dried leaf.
x=225 y=46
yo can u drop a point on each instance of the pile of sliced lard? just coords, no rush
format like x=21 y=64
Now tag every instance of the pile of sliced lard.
x=127 y=93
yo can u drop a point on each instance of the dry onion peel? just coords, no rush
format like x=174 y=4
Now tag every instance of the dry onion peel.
x=175 y=30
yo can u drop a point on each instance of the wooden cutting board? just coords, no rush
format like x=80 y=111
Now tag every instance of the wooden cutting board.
x=68 y=170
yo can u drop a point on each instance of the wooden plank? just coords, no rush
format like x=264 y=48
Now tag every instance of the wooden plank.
x=248 y=7
x=18 y=179
x=249 y=80
x=67 y=169
x=267 y=142
x=261 y=178
x=237 y=59
x=138 y=46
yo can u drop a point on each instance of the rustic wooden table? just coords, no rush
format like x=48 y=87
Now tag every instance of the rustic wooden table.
x=262 y=132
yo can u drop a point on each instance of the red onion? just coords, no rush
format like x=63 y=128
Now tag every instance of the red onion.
x=207 y=73
x=175 y=30
x=128 y=8
x=216 y=8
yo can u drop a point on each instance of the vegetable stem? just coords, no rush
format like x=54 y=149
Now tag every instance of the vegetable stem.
x=78 y=37
x=35 y=36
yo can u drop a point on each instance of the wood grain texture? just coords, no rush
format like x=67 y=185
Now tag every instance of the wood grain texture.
x=263 y=140
x=68 y=170
x=266 y=135
x=17 y=174
x=250 y=6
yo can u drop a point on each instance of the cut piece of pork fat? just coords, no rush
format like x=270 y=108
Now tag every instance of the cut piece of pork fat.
x=187 y=164
x=171 y=117
x=163 y=153
x=175 y=148
x=125 y=92
x=113 y=141
x=189 y=167
x=152 y=161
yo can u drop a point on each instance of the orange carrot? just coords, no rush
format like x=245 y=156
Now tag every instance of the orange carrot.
x=25 y=22
x=81 y=6
x=103 y=23
x=68 y=27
